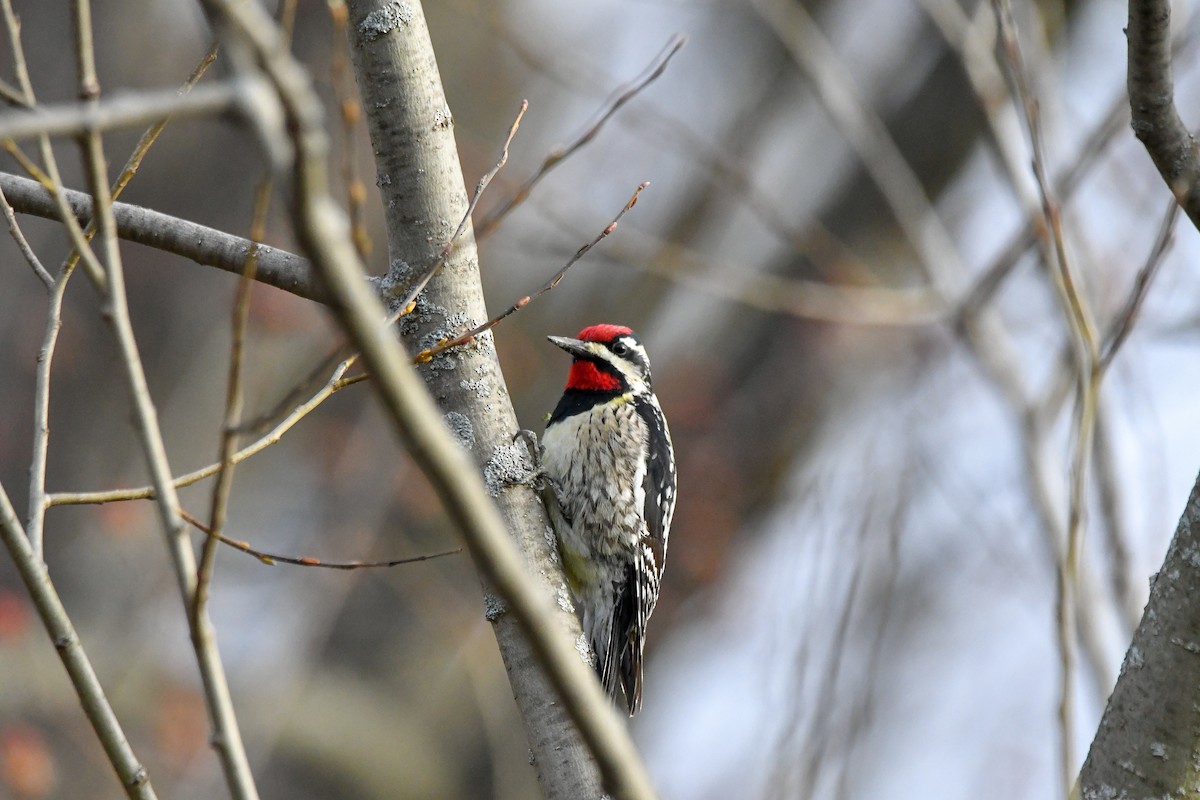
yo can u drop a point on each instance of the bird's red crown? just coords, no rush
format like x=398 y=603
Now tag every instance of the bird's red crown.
x=586 y=376
x=603 y=333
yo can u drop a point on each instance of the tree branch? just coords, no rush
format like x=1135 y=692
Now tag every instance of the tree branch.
x=1151 y=89
x=225 y=736
x=204 y=245
x=134 y=779
x=121 y=111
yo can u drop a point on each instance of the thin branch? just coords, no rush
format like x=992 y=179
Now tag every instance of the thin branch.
x=41 y=415
x=135 y=781
x=12 y=23
x=1083 y=333
x=234 y=402
x=23 y=244
x=1110 y=489
x=457 y=341
x=41 y=403
x=806 y=236
x=226 y=737
x=1123 y=324
x=37 y=472
x=271 y=559
x=619 y=98
x=867 y=135
x=333 y=385
x=134 y=162
x=11 y=94
x=155 y=130
x=807 y=299
x=413 y=291
x=350 y=115
x=296 y=272
x=121 y=111
x=50 y=179
x=234 y=399
x=1064 y=187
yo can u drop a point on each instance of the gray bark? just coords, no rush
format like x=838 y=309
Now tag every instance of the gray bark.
x=1155 y=118
x=1148 y=743
x=204 y=245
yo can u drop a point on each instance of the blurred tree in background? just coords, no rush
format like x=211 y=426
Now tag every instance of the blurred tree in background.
x=914 y=534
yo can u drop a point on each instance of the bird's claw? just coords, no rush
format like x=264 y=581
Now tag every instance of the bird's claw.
x=530 y=440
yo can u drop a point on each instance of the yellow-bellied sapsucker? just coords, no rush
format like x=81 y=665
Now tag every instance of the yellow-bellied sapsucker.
x=610 y=467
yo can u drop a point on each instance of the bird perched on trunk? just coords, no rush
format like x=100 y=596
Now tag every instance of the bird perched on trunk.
x=610 y=467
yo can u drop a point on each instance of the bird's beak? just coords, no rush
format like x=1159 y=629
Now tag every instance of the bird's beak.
x=575 y=347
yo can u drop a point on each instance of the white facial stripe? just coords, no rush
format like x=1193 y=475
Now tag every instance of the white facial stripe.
x=631 y=365
x=637 y=352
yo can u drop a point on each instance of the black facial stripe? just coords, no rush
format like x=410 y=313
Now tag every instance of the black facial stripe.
x=604 y=365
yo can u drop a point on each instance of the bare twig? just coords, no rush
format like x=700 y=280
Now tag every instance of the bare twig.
x=1064 y=187
x=413 y=291
x=41 y=403
x=25 y=549
x=1083 y=333
x=406 y=305
x=135 y=781
x=333 y=385
x=973 y=41
x=619 y=98
x=234 y=400
x=271 y=559
x=41 y=414
x=231 y=426
x=24 y=90
x=23 y=244
x=11 y=94
x=1109 y=489
x=899 y=186
x=37 y=483
x=350 y=115
x=226 y=737
x=808 y=299
x=457 y=341
x=50 y=178
x=809 y=237
x=51 y=181
x=1123 y=324
x=127 y=111
x=233 y=408
x=134 y=162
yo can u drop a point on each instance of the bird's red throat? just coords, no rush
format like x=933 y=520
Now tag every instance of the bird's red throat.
x=586 y=377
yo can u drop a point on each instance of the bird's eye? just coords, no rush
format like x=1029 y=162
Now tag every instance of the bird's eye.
x=620 y=348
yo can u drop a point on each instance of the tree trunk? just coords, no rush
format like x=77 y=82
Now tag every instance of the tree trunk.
x=424 y=198
x=1148 y=744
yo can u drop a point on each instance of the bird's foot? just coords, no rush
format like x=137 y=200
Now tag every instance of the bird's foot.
x=536 y=477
